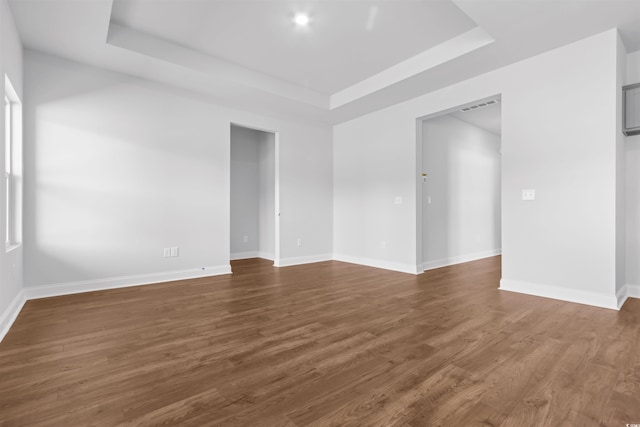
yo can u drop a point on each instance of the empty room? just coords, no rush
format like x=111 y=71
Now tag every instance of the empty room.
x=324 y=212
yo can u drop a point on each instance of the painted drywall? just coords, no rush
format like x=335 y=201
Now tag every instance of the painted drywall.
x=633 y=211
x=266 y=195
x=461 y=195
x=11 y=262
x=633 y=190
x=119 y=168
x=633 y=67
x=555 y=140
x=621 y=152
x=245 y=193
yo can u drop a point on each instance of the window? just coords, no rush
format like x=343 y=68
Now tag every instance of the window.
x=12 y=164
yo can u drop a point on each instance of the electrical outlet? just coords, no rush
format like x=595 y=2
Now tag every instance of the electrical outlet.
x=383 y=244
x=245 y=239
x=174 y=251
x=529 y=194
x=167 y=252
x=299 y=241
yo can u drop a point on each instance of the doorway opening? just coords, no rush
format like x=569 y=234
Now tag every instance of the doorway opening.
x=459 y=199
x=254 y=229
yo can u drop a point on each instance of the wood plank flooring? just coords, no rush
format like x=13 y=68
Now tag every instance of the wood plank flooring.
x=326 y=344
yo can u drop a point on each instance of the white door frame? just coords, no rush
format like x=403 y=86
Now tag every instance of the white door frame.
x=276 y=134
x=419 y=171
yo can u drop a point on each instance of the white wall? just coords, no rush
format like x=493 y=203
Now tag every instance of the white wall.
x=11 y=295
x=266 y=195
x=621 y=152
x=119 y=168
x=462 y=220
x=245 y=192
x=633 y=67
x=559 y=137
x=633 y=211
x=633 y=191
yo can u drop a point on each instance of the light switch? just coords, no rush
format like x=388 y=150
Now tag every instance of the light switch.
x=397 y=200
x=167 y=252
x=529 y=194
x=174 y=251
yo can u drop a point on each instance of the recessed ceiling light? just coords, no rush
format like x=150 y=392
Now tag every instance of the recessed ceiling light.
x=301 y=19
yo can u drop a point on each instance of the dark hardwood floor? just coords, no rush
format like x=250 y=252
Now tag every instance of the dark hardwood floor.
x=321 y=344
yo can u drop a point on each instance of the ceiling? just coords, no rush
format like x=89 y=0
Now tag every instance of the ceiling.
x=356 y=55
x=346 y=42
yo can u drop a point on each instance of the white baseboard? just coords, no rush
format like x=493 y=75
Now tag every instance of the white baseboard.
x=377 y=263
x=565 y=294
x=266 y=255
x=621 y=296
x=34 y=292
x=11 y=313
x=445 y=262
x=633 y=291
x=244 y=255
x=252 y=254
x=298 y=260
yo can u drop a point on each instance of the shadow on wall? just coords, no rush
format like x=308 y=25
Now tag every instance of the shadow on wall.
x=115 y=171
